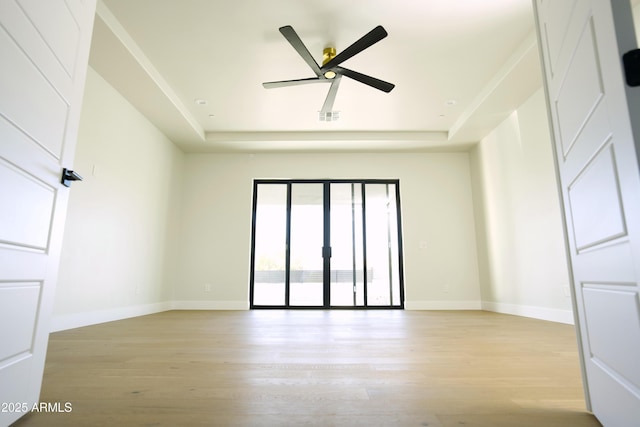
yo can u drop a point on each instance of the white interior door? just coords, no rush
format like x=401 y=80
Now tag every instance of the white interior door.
x=44 y=48
x=595 y=116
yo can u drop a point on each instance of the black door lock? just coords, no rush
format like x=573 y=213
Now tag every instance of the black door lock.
x=68 y=176
x=631 y=63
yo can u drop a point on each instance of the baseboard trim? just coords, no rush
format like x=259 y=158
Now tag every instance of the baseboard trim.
x=442 y=305
x=78 y=320
x=541 y=313
x=63 y=322
x=209 y=305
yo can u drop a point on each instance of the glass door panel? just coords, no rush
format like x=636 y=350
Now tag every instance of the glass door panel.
x=307 y=239
x=383 y=282
x=394 y=245
x=346 y=275
x=270 y=233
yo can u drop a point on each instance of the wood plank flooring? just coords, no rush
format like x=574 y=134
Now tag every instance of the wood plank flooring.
x=324 y=368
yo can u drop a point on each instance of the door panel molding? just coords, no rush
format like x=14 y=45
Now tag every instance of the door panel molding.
x=31 y=215
x=581 y=86
x=20 y=300
x=41 y=112
x=597 y=220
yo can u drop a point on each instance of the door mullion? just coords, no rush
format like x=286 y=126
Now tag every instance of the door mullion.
x=254 y=218
x=364 y=245
x=287 y=261
x=400 y=259
x=354 y=273
x=326 y=253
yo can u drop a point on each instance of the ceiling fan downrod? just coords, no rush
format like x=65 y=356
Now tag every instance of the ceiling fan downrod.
x=328 y=53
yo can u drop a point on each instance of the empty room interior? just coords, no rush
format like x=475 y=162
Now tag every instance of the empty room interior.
x=191 y=288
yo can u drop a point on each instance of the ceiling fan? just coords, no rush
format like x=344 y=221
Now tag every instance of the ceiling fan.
x=331 y=71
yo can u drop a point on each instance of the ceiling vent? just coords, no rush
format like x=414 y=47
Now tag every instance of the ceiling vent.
x=328 y=116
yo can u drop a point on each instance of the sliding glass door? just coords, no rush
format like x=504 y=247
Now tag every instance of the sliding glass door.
x=326 y=244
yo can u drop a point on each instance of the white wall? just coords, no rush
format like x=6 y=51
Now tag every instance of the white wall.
x=521 y=251
x=436 y=202
x=150 y=226
x=116 y=257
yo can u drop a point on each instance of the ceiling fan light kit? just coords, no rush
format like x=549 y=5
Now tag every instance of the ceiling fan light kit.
x=331 y=71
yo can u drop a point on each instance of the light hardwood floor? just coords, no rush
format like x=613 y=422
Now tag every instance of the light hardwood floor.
x=325 y=368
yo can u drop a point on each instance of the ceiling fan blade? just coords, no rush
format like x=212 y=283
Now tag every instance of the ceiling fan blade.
x=283 y=83
x=327 y=107
x=368 y=80
x=292 y=37
x=369 y=39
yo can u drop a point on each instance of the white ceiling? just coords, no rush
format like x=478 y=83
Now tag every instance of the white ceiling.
x=163 y=55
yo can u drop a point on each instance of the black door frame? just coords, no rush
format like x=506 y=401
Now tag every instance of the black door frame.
x=326 y=250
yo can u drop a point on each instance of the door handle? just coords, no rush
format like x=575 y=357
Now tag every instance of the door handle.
x=631 y=63
x=68 y=176
x=326 y=252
